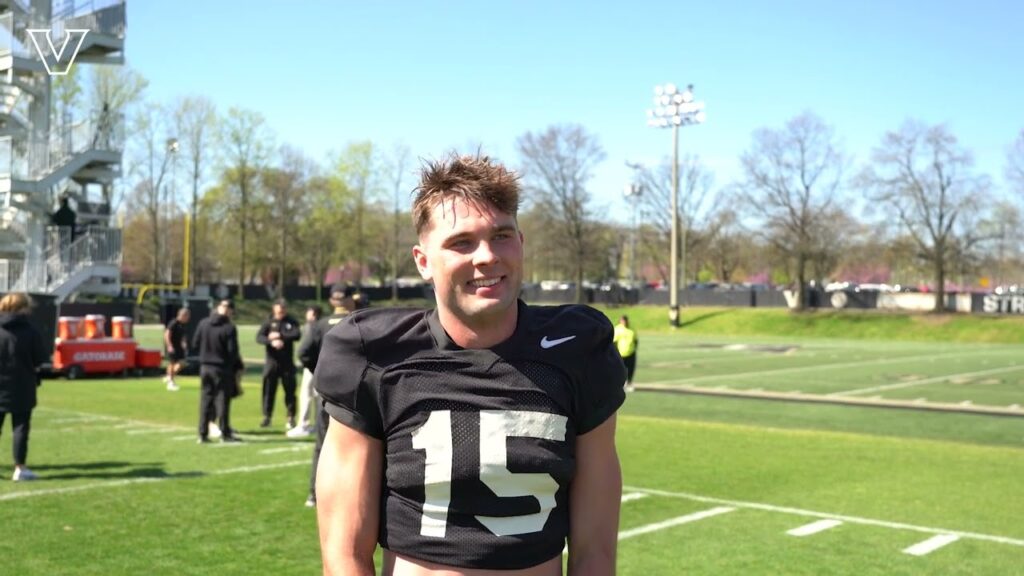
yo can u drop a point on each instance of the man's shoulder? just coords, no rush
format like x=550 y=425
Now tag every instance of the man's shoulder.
x=381 y=332
x=567 y=316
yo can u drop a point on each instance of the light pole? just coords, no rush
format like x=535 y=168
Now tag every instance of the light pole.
x=632 y=192
x=675 y=109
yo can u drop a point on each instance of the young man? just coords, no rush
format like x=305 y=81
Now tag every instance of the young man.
x=220 y=364
x=278 y=336
x=176 y=346
x=626 y=342
x=477 y=437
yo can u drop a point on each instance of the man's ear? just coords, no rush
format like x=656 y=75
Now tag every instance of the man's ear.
x=419 y=256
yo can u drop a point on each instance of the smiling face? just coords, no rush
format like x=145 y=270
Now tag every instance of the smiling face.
x=473 y=254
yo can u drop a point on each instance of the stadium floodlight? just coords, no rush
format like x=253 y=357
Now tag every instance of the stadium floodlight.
x=674 y=108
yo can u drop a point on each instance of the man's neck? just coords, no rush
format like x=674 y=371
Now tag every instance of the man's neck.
x=483 y=332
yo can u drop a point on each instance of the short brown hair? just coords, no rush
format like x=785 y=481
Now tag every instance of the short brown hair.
x=470 y=178
x=17 y=302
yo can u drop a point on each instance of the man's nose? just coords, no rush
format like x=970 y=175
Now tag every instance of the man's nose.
x=484 y=254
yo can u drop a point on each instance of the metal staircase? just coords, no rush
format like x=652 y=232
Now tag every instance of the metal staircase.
x=40 y=162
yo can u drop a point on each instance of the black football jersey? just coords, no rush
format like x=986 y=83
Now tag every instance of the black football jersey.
x=479 y=444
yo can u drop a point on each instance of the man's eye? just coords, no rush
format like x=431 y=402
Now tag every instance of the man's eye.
x=502 y=236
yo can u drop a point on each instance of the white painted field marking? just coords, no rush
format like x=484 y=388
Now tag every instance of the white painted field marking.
x=154 y=431
x=927 y=381
x=841 y=517
x=125 y=422
x=127 y=482
x=814 y=527
x=674 y=522
x=815 y=367
x=286 y=449
x=930 y=545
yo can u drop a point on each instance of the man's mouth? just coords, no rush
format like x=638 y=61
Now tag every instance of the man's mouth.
x=485 y=282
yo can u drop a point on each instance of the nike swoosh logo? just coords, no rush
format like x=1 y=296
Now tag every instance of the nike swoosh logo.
x=545 y=343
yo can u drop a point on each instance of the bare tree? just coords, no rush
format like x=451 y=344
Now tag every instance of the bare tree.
x=195 y=118
x=1015 y=164
x=791 y=180
x=697 y=208
x=924 y=177
x=557 y=164
x=149 y=165
x=247 y=143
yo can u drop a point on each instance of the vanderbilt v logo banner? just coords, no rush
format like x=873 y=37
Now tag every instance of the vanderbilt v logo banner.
x=57 y=62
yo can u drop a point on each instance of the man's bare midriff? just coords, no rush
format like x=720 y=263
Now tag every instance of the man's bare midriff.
x=397 y=565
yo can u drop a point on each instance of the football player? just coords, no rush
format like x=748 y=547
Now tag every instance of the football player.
x=477 y=437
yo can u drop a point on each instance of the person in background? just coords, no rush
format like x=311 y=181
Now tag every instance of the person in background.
x=65 y=217
x=21 y=356
x=307 y=355
x=278 y=335
x=344 y=300
x=626 y=342
x=176 y=346
x=220 y=365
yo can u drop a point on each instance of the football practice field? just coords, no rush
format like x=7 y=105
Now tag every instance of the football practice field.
x=753 y=456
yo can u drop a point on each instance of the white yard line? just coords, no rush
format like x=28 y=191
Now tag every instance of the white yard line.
x=674 y=522
x=154 y=431
x=124 y=422
x=841 y=517
x=924 y=381
x=298 y=448
x=633 y=496
x=812 y=368
x=127 y=482
x=930 y=545
x=814 y=528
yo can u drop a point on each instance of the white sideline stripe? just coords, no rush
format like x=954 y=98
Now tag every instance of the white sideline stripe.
x=634 y=496
x=816 y=367
x=930 y=545
x=674 y=522
x=154 y=431
x=814 y=527
x=129 y=481
x=127 y=422
x=844 y=518
x=927 y=381
x=284 y=449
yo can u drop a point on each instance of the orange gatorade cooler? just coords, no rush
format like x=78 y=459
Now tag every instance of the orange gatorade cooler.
x=121 y=327
x=94 y=326
x=69 y=327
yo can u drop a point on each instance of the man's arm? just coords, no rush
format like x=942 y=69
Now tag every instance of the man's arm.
x=261 y=336
x=348 y=487
x=197 y=336
x=168 y=345
x=594 y=499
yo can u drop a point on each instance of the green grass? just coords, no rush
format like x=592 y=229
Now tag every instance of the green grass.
x=139 y=496
x=847 y=324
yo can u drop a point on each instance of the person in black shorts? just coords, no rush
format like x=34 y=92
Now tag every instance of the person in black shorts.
x=478 y=435
x=176 y=346
x=220 y=369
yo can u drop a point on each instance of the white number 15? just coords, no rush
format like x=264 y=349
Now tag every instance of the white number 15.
x=496 y=426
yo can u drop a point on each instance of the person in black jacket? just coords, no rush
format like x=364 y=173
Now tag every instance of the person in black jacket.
x=278 y=335
x=21 y=355
x=344 y=299
x=220 y=368
x=307 y=356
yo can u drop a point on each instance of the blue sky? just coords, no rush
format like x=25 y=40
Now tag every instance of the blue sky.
x=454 y=74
